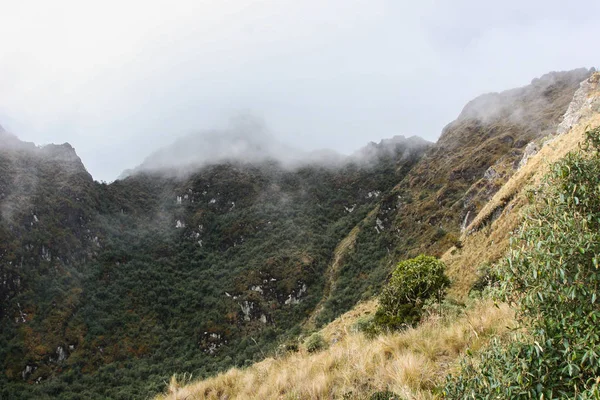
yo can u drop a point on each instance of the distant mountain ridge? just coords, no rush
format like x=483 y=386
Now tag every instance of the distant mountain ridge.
x=249 y=142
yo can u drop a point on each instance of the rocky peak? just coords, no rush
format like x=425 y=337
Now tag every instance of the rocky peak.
x=61 y=159
x=520 y=104
x=585 y=101
x=390 y=147
x=246 y=144
x=520 y=114
x=60 y=152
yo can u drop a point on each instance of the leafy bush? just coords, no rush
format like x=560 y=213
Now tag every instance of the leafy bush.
x=367 y=326
x=290 y=347
x=385 y=395
x=412 y=283
x=487 y=277
x=552 y=276
x=315 y=342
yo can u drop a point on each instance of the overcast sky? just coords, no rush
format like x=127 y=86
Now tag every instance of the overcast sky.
x=119 y=79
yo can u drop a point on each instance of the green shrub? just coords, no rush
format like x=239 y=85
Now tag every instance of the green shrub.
x=552 y=276
x=385 y=395
x=290 y=346
x=412 y=283
x=362 y=323
x=315 y=342
x=487 y=277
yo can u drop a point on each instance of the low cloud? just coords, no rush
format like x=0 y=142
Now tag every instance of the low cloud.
x=120 y=80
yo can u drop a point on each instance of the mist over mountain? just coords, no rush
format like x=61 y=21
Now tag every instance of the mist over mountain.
x=248 y=141
x=370 y=153
x=9 y=141
x=227 y=243
x=521 y=105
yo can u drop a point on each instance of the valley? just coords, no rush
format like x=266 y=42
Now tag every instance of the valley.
x=108 y=290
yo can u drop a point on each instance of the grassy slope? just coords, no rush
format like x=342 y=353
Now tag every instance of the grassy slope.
x=487 y=237
x=413 y=362
x=410 y=363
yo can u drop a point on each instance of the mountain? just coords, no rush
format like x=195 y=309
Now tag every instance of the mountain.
x=98 y=275
x=475 y=155
x=246 y=140
x=454 y=179
x=46 y=203
x=460 y=348
x=227 y=243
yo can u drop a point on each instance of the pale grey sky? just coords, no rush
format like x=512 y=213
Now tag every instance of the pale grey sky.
x=119 y=79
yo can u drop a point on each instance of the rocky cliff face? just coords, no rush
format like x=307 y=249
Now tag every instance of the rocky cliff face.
x=46 y=198
x=585 y=103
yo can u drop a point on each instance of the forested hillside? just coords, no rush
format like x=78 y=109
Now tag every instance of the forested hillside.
x=108 y=289
x=111 y=287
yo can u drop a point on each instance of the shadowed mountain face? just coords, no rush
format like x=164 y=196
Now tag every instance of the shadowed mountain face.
x=224 y=244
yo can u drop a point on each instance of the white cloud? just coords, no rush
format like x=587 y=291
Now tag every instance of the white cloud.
x=117 y=79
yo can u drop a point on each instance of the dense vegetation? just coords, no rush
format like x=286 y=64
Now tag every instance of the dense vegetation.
x=552 y=276
x=160 y=274
x=412 y=362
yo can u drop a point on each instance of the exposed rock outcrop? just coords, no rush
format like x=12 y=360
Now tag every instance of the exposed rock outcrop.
x=583 y=104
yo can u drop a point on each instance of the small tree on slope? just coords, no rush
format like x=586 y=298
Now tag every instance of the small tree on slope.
x=412 y=283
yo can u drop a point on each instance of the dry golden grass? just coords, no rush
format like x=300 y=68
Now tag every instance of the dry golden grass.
x=409 y=363
x=486 y=242
x=342 y=325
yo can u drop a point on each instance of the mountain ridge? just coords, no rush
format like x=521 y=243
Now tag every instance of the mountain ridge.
x=418 y=362
x=252 y=144
x=198 y=272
